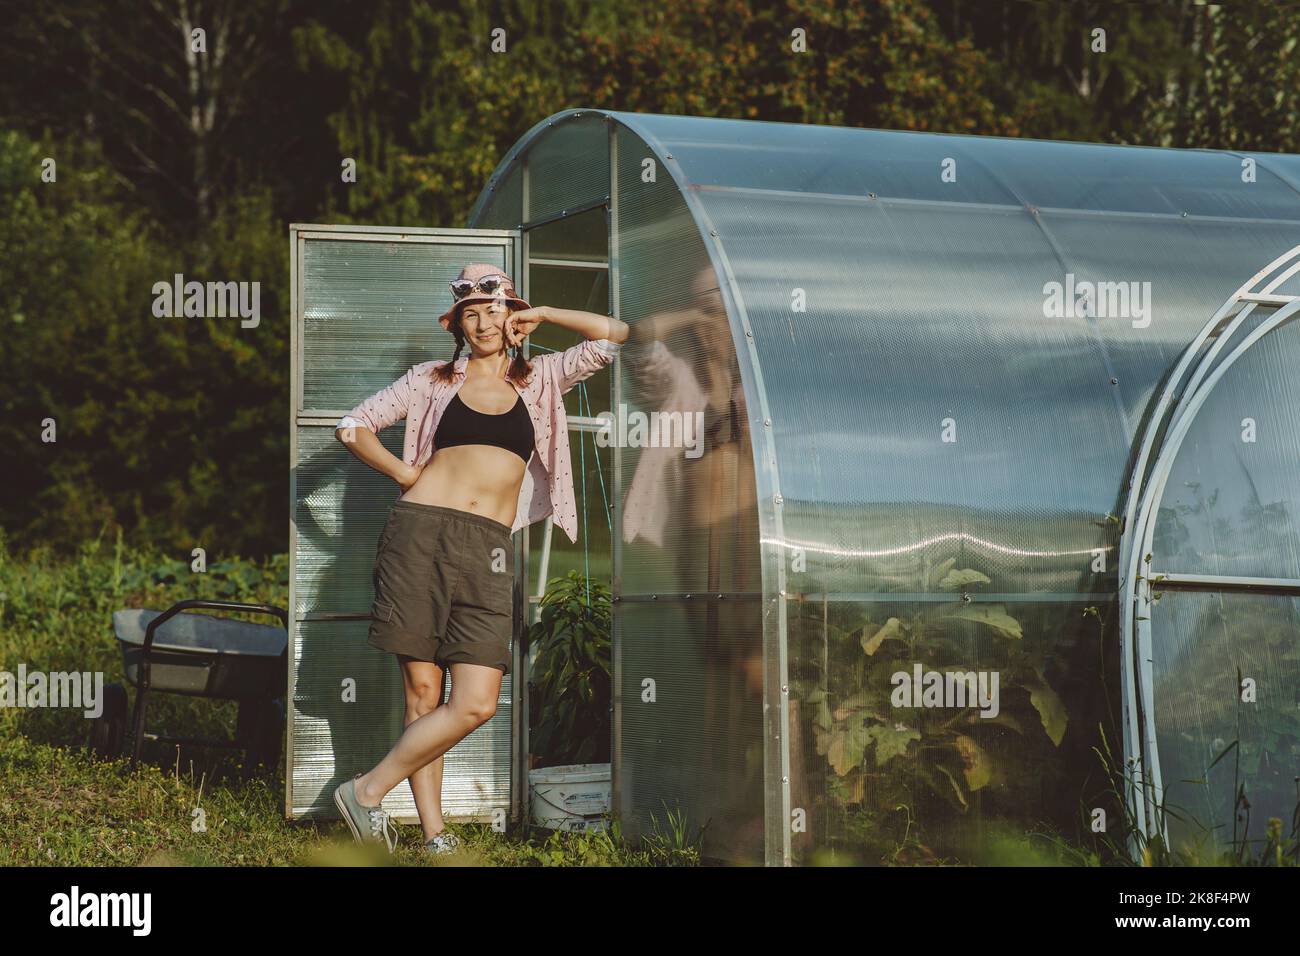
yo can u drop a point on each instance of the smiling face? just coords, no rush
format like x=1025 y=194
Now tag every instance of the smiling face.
x=483 y=324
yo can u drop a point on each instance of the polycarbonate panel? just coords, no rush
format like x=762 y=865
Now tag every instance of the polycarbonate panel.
x=923 y=408
x=1232 y=502
x=1190 y=272
x=504 y=207
x=370 y=311
x=567 y=287
x=805 y=158
x=585 y=288
x=689 y=697
x=1284 y=166
x=689 y=515
x=583 y=236
x=689 y=527
x=1199 y=643
x=879 y=776
x=334 y=738
x=569 y=166
x=331 y=738
x=938 y=429
x=340 y=507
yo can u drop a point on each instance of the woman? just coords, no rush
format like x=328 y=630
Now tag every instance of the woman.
x=486 y=453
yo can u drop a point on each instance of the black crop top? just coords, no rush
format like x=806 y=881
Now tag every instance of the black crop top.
x=462 y=425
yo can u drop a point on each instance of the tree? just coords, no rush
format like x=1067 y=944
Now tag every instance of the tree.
x=1237 y=87
x=187 y=119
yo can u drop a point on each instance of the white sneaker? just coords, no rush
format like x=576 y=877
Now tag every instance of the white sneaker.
x=442 y=843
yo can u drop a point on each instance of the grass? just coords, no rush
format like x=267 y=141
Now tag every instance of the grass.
x=1278 y=847
x=59 y=806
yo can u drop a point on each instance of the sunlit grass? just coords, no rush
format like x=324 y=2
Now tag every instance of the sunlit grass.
x=60 y=806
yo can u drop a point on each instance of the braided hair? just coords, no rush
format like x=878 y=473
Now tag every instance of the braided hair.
x=518 y=372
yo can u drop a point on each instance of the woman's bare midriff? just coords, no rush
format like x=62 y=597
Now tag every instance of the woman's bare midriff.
x=480 y=479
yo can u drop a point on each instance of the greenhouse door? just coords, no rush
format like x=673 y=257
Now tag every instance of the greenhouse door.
x=364 y=303
x=1216 y=597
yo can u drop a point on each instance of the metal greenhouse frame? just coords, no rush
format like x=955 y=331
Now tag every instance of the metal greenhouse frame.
x=1184 y=393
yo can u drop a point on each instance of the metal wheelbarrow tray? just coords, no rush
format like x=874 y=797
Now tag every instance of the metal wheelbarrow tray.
x=203 y=656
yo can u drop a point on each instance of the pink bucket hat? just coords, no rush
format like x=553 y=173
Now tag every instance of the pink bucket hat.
x=473 y=272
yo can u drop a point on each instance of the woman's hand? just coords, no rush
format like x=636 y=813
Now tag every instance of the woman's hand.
x=521 y=323
x=407 y=477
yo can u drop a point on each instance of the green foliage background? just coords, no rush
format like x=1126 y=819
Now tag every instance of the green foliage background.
x=174 y=429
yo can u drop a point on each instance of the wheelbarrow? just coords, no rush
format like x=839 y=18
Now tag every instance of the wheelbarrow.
x=202 y=656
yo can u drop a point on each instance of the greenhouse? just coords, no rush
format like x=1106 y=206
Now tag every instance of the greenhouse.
x=948 y=490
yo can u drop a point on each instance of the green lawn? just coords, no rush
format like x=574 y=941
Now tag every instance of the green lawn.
x=59 y=806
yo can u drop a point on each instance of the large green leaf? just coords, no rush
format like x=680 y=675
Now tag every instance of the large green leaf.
x=850 y=705
x=956 y=787
x=994 y=616
x=937 y=574
x=1004 y=718
x=1050 y=709
x=977 y=768
x=891 y=740
x=961 y=579
x=890 y=630
x=848 y=745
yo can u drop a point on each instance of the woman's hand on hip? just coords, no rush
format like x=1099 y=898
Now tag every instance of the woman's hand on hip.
x=408 y=476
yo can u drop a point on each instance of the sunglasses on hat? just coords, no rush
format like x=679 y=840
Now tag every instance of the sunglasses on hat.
x=488 y=285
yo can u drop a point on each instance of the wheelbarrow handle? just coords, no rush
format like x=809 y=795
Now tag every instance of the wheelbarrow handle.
x=215 y=605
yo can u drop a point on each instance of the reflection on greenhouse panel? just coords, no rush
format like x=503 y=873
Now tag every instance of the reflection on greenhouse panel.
x=691 y=531
x=700 y=379
x=677 y=496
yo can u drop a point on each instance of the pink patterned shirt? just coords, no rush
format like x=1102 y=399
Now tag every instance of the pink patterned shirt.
x=548 y=480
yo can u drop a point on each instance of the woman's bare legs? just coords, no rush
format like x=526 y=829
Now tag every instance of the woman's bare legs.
x=423 y=683
x=472 y=702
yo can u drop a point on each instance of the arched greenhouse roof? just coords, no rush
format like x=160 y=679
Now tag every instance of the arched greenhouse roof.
x=950 y=349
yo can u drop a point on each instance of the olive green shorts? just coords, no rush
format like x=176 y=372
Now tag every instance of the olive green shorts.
x=444 y=587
